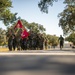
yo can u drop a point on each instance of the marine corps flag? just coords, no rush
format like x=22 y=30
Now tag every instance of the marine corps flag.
x=19 y=24
x=24 y=34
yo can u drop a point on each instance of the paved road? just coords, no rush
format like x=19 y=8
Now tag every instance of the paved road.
x=20 y=63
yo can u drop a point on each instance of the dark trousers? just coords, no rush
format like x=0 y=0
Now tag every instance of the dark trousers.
x=14 y=46
x=10 y=47
x=61 y=44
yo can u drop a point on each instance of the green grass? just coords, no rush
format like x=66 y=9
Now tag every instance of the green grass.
x=4 y=49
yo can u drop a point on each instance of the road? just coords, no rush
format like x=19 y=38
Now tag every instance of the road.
x=20 y=63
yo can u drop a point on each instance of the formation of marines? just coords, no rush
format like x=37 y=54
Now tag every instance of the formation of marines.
x=32 y=42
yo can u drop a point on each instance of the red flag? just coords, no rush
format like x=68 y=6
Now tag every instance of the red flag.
x=24 y=34
x=19 y=24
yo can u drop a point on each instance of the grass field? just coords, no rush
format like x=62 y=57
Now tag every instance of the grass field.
x=3 y=49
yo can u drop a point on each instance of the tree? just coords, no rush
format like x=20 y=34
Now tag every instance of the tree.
x=71 y=38
x=44 y=4
x=2 y=36
x=52 y=40
x=67 y=17
x=41 y=28
x=5 y=14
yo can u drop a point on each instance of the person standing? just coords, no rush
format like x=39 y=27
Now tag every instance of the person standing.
x=61 y=41
x=9 y=39
x=14 y=41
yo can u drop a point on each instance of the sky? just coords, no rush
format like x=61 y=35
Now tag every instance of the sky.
x=29 y=10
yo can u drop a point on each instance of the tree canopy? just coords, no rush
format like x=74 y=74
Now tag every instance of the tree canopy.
x=52 y=40
x=66 y=17
x=71 y=38
x=44 y=4
x=5 y=14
